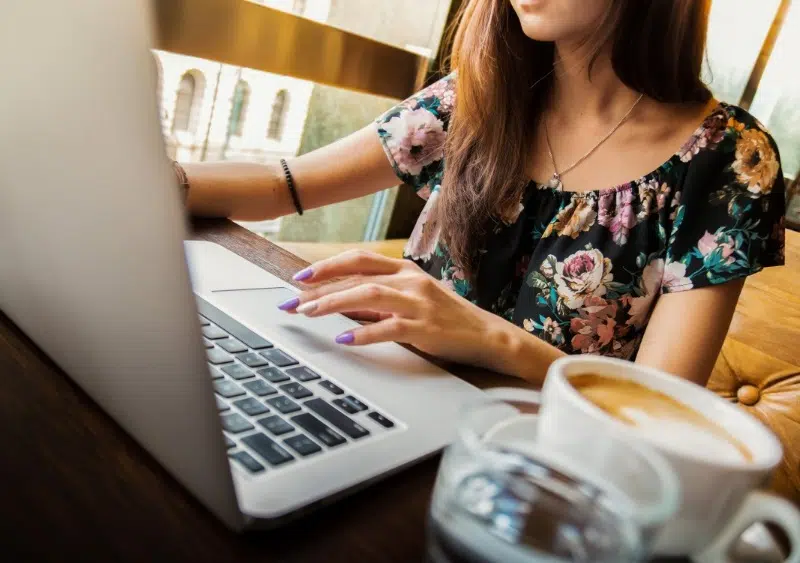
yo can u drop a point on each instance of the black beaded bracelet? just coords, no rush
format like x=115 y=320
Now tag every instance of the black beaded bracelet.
x=292 y=188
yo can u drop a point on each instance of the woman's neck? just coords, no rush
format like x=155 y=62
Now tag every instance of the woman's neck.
x=578 y=94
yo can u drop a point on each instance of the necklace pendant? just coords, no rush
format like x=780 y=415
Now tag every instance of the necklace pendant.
x=555 y=182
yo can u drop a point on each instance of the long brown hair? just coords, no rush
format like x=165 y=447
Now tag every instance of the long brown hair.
x=657 y=48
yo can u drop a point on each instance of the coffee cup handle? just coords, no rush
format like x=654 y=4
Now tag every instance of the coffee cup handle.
x=757 y=507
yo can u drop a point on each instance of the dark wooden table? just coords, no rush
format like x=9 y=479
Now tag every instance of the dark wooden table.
x=75 y=487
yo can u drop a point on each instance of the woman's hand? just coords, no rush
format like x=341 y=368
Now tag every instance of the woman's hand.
x=406 y=304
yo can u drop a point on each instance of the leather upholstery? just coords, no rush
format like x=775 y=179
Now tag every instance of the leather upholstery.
x=759 y=366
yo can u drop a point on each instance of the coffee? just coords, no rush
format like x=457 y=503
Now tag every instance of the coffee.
x=665 y=419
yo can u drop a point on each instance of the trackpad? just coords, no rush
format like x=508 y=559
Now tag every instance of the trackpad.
x=258 y=309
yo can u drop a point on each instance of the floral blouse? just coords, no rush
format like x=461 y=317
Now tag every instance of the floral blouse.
x=583 y=271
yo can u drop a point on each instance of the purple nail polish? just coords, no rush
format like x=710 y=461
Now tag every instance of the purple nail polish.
x=303 y=275
x=345 y=338
x=289 y=304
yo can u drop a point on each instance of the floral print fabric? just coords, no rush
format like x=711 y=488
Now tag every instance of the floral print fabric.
x=583 y=271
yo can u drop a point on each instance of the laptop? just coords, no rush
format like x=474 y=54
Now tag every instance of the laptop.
x=256 y=412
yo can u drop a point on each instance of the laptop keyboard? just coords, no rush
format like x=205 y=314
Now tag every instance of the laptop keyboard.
x=273 y=409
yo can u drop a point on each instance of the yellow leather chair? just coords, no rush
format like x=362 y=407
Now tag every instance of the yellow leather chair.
x=759 y=366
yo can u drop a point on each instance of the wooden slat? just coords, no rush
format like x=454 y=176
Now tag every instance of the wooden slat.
x=246 y=34
x=763 y=56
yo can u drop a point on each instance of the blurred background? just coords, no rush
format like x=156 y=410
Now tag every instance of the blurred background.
x=270 y=79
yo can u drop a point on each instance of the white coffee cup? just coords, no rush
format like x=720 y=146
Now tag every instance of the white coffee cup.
x=720 y=497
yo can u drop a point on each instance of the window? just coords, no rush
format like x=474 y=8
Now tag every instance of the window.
x=241 y=97
x=777 y=101
x=276 y=121
x=736 y=31
x=187 y=102
x=409 y=24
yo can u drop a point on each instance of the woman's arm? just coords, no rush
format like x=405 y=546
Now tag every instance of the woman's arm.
x=684 y=335
x=351 y=167
x=687 y=329
x=411 y=307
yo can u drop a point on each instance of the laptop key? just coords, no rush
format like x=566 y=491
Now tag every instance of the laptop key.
x=267 y=448
x=214 y=332
x=248 y=461
x=346 y=406
x=302 y=445
x=251 y=406
x=318 y=429
x=278 y=357
x=260 y=388
x=227 y=389
x=380 y=419
x=331 y=387
x=207 y=344
x=203 y=320
x=215 y=373
x=252 y=340
x=276 y=425
x=252 y=360
x=229 y=443
x=335 y=417
x=236 y=329
x=302 y=373
x=232 y=345
x=296 y=391
x=273 y=375
x=235 y=423
x=218 y=357
x=283 y=405
x=222 y=405
x=356 y=403
x=238 y=371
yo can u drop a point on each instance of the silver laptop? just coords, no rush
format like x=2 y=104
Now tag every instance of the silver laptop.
x=258 y=413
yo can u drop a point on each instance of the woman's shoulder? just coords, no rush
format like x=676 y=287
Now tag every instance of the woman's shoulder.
x=733 y=144
x=729 y=222
x=438 y=100
x=745 y=120
x=413 y=134
x=725 y=130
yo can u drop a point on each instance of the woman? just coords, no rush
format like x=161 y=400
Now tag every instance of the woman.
x=560 y=218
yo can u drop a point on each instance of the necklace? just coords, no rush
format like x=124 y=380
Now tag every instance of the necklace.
x=555 y=182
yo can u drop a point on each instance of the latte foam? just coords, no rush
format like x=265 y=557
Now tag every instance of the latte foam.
x=666 y=420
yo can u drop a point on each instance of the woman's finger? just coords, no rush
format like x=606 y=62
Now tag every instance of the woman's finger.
x=375 y=297
x=393 y=329
x=315 y=293
x=350 y=263
x=290 y=305
x=366 y=316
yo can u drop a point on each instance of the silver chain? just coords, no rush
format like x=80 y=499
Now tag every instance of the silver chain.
x=555 y=181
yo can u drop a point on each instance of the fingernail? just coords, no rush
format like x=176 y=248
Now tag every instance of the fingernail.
x=289 y=304
x=345 y=338
x=303 y=275
x=307 y=308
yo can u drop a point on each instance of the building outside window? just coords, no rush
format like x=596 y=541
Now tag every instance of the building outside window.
x=186 y=104
x=241 y=98
x=278 y=117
